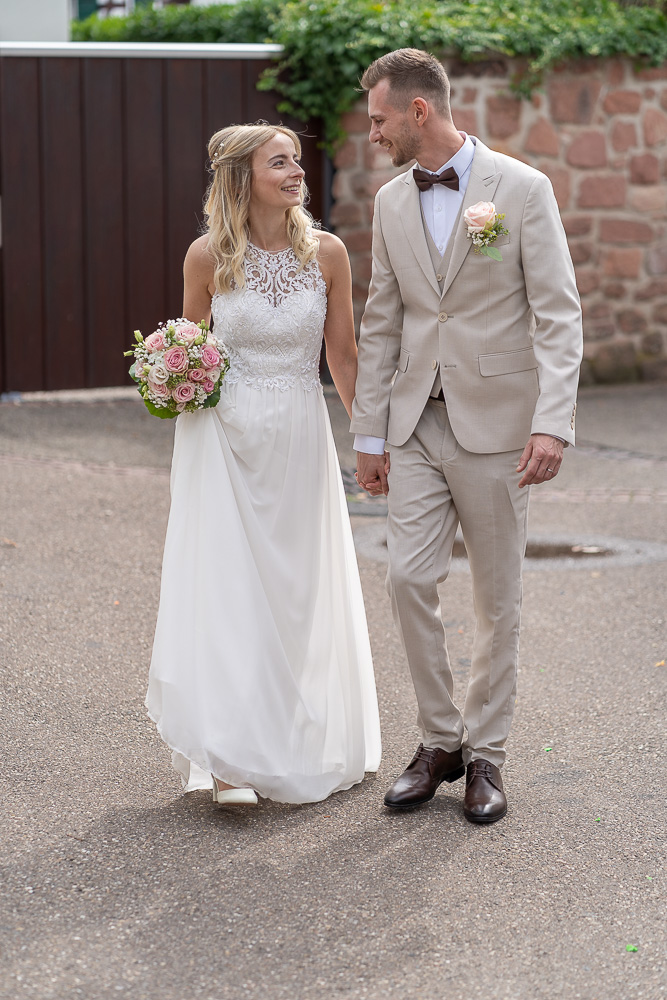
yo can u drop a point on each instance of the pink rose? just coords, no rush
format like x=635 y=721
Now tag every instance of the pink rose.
x=479 y=216
x=187 y=333
x=208 y=385
x=159 y=390
x=210 y=358
x=184 y=392
x=156 y=341
x=176 y=359
x=197 y=374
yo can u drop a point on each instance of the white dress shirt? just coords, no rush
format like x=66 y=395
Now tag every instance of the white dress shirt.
x=440 y=206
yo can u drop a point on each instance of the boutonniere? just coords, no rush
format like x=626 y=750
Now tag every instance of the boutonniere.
x=485 y=225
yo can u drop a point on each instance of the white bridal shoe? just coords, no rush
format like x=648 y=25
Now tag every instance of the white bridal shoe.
x=233 y=796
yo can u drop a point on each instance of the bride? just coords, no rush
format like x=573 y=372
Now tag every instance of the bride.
x=261 y=679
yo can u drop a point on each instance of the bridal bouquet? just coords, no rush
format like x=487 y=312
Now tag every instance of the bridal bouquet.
x=178 y=368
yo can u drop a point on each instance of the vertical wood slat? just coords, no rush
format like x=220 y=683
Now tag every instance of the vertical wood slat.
x=144 y=212
x=62 y=181
x=107 y=325
x=184 y=180
x=23 y=349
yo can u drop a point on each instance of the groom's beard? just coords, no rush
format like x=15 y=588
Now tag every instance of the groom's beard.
x=405 y=148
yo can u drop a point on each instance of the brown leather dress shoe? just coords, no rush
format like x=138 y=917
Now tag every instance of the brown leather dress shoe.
x=421 y=778
x=484 y=800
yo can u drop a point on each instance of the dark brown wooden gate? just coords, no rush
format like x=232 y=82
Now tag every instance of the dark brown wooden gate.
x=102 y=175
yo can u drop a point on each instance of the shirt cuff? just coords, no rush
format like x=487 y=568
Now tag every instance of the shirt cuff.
x=369 y=445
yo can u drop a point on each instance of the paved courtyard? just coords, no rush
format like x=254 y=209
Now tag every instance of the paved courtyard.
x=116 y=885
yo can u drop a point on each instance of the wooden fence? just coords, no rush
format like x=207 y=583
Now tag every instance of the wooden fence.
x=102 y=175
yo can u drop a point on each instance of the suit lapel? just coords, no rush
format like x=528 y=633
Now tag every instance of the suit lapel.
x=481 y=187
x=411 y=217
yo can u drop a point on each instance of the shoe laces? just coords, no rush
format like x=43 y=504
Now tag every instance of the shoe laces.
x=425 y=753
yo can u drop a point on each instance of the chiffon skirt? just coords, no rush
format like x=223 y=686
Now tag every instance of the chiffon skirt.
x=261 y=671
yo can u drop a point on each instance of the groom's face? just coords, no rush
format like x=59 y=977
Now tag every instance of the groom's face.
x=393 y=129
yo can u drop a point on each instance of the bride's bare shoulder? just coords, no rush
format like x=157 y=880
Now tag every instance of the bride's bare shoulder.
x=199 y=263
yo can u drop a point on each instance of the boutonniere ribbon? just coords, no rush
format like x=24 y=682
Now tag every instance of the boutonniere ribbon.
x=485 y=225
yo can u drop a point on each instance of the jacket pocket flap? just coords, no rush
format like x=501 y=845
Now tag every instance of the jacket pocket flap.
x=507 y=362
x=403 y=359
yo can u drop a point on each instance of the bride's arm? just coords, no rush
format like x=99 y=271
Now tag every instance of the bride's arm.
x=197 y=281
x=341 y=346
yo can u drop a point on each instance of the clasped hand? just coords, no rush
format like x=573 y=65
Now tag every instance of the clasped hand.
x=372 y=472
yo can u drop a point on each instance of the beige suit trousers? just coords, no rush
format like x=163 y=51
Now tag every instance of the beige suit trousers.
x=434 y=484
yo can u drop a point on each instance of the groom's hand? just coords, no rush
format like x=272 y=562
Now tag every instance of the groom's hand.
x=541 y=460
x=372 y=473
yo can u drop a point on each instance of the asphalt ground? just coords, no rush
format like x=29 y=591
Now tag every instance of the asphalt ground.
x=115 y=884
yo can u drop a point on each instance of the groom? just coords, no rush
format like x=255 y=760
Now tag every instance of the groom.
x=468 y=368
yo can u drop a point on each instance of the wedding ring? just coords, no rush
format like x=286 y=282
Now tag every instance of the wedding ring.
x=551 y=471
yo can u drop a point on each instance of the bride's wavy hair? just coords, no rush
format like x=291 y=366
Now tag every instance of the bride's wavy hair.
x=227 y=202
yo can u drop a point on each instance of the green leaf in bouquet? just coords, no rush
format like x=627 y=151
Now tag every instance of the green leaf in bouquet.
x=213 y=399
x=163 y=412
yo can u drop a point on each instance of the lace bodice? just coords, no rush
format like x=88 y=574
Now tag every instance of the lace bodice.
x=272 y=328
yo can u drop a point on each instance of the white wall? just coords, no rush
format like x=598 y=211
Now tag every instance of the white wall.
x=34 y=20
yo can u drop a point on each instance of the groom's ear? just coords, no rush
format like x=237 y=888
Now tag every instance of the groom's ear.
x=420 y=110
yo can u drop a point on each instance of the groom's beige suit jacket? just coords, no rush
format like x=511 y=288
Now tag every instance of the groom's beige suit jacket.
x=505 y=335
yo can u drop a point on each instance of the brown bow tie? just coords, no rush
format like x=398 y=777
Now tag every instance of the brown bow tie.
x=425 y=180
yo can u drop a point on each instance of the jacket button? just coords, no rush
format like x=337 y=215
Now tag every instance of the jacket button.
x=434 y=365
x=442 y=317
x=439 y=277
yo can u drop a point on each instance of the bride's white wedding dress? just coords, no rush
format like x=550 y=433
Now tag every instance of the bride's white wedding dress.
x=261 y=671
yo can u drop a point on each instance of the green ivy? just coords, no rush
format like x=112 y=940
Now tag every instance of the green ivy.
x=328 y=43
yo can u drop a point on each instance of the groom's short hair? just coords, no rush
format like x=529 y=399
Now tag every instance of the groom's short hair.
x=411 y=73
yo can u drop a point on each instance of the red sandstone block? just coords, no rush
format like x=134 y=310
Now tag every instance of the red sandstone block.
x=356 y=121
x=623 y=136
x=649 y=199
x=663 y=99
x=631 y=321
x=623 y=263
x=587 y=281
x=654 y=290
x=596 y=310
x=645 y=169
x=542 y=139
x=465 y=120
x=347 y=155
x=560 y=178
x=659 y=314
x=602 y=191
x=577 y=225
x=573 y=99
x=625 y=231
x=581 y=253
x=615 y=72
x=362 y=268
x=357 y=239
x=656 y=260
x=622 y=102
x=653 y=73
x=469 y=95
x=503 y=114
x=345 y=213
x=655 y=127
x=614 y=290
x=588 y=150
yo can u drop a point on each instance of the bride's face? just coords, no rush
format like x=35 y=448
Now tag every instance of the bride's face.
x=276 y=174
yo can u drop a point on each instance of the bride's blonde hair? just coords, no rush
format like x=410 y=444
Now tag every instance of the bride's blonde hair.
x=228 y=199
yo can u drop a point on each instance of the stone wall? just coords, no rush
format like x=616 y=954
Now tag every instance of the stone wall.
x=598 y=129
